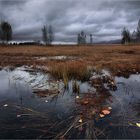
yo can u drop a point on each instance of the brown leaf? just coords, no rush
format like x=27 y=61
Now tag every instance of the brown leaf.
x=105 y=112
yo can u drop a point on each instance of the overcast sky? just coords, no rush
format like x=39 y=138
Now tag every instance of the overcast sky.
x=103 y=18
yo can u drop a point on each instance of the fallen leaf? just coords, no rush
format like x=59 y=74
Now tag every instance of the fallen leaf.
x=46 y=101
x=18 y=115
x=80 y=121
x=110 y=108
x=85 y=102
x=112 y=83
x=5 y=105
x=138 y=124
x=102 y=115
x=77 y=97
x=105 y=112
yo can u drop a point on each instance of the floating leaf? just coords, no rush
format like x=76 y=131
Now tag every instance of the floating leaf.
x=18 y=115
x=105 y=112
x=77 y=97
x=80 y=121
x=112 y=83
x=102 y=115
x=110 y=108
x=138 y=124
x=5 y=105
x=85 y=102
x=46 y=101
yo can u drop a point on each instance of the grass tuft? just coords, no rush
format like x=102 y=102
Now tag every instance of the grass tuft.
x=70 y=70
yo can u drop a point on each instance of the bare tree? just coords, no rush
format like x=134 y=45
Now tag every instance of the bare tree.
x=126 y=37
x=5 y=31
x=91 y=39
x=45 y=35
x=81 y=38
x=78 y=39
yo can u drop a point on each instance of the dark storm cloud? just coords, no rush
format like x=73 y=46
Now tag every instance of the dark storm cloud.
x=103 y=18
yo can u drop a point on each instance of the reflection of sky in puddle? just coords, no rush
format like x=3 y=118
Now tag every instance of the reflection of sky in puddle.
x=16 y=88
x=18 y=83
x=128 y=90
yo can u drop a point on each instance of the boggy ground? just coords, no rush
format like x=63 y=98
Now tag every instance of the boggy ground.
x=119 y=59
x=95 y=109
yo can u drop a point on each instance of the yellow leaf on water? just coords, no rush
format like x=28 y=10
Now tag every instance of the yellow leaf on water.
x=138 y=124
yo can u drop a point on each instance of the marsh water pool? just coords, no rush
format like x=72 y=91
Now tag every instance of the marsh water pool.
x=27 y=112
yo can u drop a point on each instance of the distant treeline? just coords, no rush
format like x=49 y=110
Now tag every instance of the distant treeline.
x=127 y=37
x=48 y=35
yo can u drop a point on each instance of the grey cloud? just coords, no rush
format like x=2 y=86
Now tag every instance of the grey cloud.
x=103 y=18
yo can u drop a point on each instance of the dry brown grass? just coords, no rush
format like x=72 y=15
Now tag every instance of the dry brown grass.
x=119 y=59
x=70 y=70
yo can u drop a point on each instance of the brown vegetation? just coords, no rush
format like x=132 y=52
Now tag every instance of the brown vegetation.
x=119 y=59
x=69 y=70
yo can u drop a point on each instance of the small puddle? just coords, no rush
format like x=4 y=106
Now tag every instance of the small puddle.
x=57 y=58
x=34 y=105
